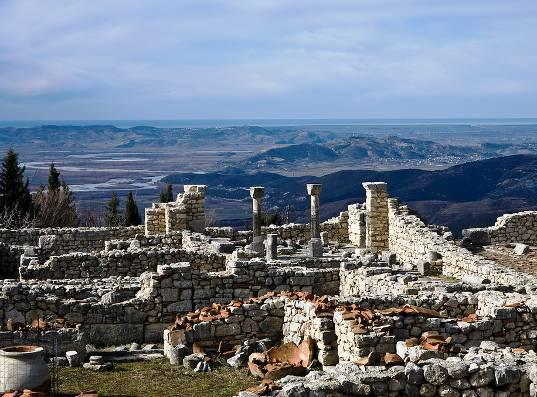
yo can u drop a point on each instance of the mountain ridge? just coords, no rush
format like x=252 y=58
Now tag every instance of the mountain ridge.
x=511 y=180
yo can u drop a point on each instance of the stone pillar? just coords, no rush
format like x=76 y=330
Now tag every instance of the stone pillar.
x=272 y=246
x=324 y=238
x=315 y=245
x=257 y=193
x=194 y=199
x=377 y=224
x=314 y=190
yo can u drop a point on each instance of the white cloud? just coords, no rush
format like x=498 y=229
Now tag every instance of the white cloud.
x=237 y=55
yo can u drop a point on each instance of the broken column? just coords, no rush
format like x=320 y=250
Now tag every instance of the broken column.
x=272 y=246
x=257 y=193
x=377 y=224
x=315 y=245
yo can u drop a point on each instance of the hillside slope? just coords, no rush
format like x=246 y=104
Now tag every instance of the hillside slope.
x=469 y=194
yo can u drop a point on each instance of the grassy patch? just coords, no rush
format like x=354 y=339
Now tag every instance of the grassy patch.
x=155 y=378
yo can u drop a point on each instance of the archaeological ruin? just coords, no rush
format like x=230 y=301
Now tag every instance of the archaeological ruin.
x=373 y=302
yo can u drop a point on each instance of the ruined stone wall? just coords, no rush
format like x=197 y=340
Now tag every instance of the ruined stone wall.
x=302 y=320
x=62 y=240
x=116 y=263
x=9 y=260
x=337 y=228
x=412 y=241
x=105 y=308
x=358 y=280
x=481 y=372
x=357 y=224
x=186 y=213
x=243 y=321
x=520 y=227
x=178 y=288
x=271 y=317
x=172 y=240
x=506 y=319
x=155 y=220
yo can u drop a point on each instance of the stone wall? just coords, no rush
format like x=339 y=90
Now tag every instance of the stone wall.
x=9 y=260
x=337 y=228
x=62 y=240
x=508 y=319
x=240 y=322
x=357 y=225
x=105 y=309
x=303 y=318
x=178 y=288
x=186 y=213
x=115 y=263
x=171 y=240
x=520 y=227
x=485 y=371
x=412 y=241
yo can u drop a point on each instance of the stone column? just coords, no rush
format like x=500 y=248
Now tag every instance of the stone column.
x=257 y=193
x=315 y=244
x=377 y=223
x=272 y=246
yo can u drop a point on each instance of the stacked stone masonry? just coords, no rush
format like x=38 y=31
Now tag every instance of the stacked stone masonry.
x=412 y=280
x=509 y=228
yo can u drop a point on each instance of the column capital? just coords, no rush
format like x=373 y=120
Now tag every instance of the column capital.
x=257 y=192
x=314 y=189
x=375 y=186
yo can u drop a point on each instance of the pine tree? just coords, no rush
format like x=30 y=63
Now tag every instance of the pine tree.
x=112 y=214
x=53 y=178
x=132 y=216
x=55 y=207
x=169 y=193
x=166 y=196
x=14 y=193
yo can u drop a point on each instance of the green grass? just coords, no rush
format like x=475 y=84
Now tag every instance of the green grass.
x=155 y=378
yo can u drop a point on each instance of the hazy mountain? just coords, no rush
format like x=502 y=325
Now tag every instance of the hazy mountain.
x=469 y=194
x=145 y=137
x=366 y=149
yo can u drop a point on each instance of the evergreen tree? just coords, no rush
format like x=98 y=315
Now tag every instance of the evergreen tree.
x=169 y=193
x=54 y=178
x=166 y=196
x=132 y=216
x=55 y=207
x=112 y=213
x=14 y=193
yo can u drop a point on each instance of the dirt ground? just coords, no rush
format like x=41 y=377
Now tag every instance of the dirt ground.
x=505 y=255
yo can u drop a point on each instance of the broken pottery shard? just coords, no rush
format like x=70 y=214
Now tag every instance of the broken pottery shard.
x=393 y=359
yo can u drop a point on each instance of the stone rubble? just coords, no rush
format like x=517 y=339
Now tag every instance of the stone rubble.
x=389 y=305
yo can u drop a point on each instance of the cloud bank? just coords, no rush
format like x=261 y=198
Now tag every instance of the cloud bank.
x=134 y=59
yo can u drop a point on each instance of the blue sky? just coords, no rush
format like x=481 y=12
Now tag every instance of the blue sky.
x=130 y=59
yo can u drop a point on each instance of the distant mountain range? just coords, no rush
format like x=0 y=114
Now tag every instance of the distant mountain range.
x=146 y=137
x=470 y=194
x=365 y=149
